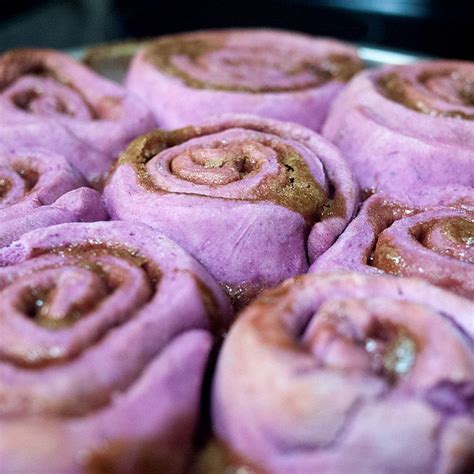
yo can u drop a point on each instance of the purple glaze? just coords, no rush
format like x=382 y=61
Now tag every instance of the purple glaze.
x=38 y=189
x=339 y=370
x=255 y=59
x=398 y=148
x=246 y=243
x=384 y=237
x=50 y=88
x=119 y=384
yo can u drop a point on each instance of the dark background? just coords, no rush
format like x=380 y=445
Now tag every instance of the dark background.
x=433 y=27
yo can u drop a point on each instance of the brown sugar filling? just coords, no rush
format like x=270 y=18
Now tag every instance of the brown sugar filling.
x=299 y=193
x=338 y=67
x=17 y=63
x=397 y=89
x=5 y=186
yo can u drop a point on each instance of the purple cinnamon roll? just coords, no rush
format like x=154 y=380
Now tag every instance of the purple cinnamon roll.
x=402 y=127
x=271 y=73
x=105 y=337
x=430 y=236
x=48 y=136
x=254 y=200
x=48 y=86
x=38 y=189
x=344 y=372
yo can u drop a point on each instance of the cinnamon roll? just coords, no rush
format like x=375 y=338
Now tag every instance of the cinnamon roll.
x=254 y=200
x=430 y=236
x=38 y=189
x=343 y=372
x=271 y=73
x=403 y=127
x=106 y=329
x=45 y=86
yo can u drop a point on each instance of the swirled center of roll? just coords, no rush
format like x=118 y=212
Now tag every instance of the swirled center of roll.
x=62 y=300
x=39 y=83
x=61 y=297
x=220 y=166
x=392 y=347
x=436 y=245
x=446 y=92
x=233 y=163
x=16 y=180
x=453 y=237
x=47 y=97
x=365 y=341
x=451 y=86
x=460 y=231
x=247 y=64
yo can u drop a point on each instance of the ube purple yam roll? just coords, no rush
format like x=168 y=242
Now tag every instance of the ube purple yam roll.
x=106 y=330
x=430 y=236
x=47 y=136
x=254 y=200
x=47 y=86
x=404 y=127
x=39 y=188
x=348 y=372
x=272 y=73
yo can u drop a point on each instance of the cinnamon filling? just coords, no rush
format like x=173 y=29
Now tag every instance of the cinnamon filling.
x=380 y=217
x=385 y=254
x=396 y=88
x=467 y=93
x=218 y=165
x=383 y=347
x=20 y=63
x=460 y=231
x=451 y=237
x=216 y=457
x=294 y=187
x=85 y=255
x=392 y=348
x=56 y=295
x=29 y=176
x=49 y=305
x=163 y=52
x=387 y=257
x=461 y=85
x=43 y=305
x=5 y=187
x=457 y=236
x=24 y=99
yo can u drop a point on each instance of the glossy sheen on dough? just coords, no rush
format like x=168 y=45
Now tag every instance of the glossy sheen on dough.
x=271 y=73
x=106 y=330
x=250 y=198
x=404 y=127
x=49 y=88
x=343 y=371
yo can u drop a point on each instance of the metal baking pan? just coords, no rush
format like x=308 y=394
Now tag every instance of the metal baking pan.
x=112 y=59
